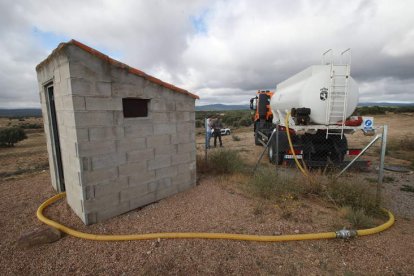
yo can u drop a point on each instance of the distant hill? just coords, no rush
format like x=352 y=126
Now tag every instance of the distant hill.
x=24 y=112
x=220 y=107
x=385 y=104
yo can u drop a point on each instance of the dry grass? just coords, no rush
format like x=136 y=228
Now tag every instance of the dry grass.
x=221 y=203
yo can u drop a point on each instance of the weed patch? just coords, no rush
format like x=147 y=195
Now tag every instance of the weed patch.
x=407 y=188
x=222 y=161
x=355 y=194
x=357 y=217
x=235 y=138
x=267 y=183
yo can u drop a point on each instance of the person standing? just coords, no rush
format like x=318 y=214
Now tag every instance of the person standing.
x=217 y=126
x=209 y=130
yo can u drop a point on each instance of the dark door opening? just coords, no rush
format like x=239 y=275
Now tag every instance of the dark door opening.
x=54 y=138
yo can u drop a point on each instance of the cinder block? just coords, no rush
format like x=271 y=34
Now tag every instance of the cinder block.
x=143 y=129
x=99 y=103
x=180 y=158
x=170 y=171
x=104 y=88
x=160 y=184
x=186 y=147
x=120 y=89
x=80 y=86
x=185 y=127
x=185 y=105
x=183 y=178
x=157 y=140
x=94 y=118
x=134 y=192
x=161 y=117
x=106 y=133
x=163 y=193
x=164 y=129
x=75 y=203
x=107 y=188
x=167 y=149
x=142 y=200
x=87 y=149
x=160 y=105
x=142 y=177
x=159 y=162
x=186 y=167
x=81 y=134
x=108 y=160
x=182 y=116
x=105 y=214
x=132 y=168
x=183 y=137
x=101 y=203
x=140 y=155
x=130 y=144
x=78 y=103
x=98 y=176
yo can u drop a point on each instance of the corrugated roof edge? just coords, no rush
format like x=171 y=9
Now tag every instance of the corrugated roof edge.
x=117 y=64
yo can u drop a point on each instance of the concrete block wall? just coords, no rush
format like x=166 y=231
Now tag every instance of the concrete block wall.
x=57 y=72
x=117 y=164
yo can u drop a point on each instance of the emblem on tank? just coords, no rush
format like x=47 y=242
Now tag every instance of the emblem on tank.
x=324 y=93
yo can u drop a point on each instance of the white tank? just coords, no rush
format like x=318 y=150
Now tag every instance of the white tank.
x=312 y=89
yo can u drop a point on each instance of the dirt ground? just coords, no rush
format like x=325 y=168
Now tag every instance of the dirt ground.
x=215 y=205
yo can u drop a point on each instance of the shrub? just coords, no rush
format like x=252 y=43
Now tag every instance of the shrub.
x=235 y=138
x=267 y=183
x=403 y=143
x=355 y=194
x=357 y=217
x=201 y=164
x=30 y=126
x=11 y=136
x=225 y=161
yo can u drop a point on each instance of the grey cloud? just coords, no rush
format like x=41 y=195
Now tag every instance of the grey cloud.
x=246 y=46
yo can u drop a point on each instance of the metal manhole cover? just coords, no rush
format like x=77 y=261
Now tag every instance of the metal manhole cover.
x=397 y=169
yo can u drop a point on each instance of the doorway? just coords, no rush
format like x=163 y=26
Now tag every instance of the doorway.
x=54 y=137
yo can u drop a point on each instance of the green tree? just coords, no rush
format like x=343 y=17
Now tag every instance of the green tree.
x=12 y=135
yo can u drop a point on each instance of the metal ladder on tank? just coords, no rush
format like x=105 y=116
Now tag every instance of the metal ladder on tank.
x=338 y=95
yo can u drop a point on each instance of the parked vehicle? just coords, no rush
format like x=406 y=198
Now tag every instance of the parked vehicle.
x=320 y=101
x=225 y=131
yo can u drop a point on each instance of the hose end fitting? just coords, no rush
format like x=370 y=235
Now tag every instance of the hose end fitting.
x=346 y=234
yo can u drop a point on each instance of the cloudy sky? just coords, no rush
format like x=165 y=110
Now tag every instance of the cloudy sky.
x=221 y=50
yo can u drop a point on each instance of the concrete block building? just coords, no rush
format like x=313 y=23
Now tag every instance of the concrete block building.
x=117 y=138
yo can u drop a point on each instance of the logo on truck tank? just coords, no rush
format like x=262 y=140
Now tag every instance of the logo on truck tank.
x=324 y=93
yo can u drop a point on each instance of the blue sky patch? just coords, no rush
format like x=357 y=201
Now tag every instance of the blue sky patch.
x=199 y=22
x=50 y=41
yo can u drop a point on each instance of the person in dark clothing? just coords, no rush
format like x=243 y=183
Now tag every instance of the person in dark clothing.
x=217 y=126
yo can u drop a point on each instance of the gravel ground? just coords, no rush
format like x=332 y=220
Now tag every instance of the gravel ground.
x=210 y=207
x=216 y=205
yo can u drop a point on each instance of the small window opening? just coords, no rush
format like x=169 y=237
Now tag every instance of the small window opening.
x=134 y=107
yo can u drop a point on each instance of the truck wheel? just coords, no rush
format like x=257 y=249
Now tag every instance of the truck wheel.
x=228 y=132
x=274 y=157
x=271 y=152
x=256 y=137
x=339 y=148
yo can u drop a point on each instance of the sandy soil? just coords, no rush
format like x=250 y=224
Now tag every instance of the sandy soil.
x=215 y=205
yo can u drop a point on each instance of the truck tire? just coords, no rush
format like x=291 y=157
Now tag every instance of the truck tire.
x=339 y=149
x=256 y=135
x=274 y=157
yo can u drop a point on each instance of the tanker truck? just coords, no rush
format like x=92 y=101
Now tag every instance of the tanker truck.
x=315 y=106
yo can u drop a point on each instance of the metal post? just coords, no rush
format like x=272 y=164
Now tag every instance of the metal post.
x=381 y=165
x=277 y=144
x=207 y=139
x=360 y=154
x=267 y=145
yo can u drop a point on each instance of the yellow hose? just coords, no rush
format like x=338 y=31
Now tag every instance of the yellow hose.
x=291 y=146
x=196 y=235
